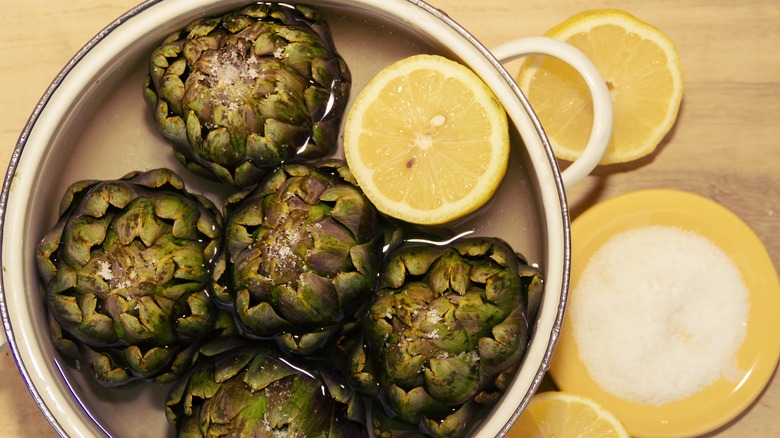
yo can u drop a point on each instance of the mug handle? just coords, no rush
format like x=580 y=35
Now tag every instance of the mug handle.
x=601 y=132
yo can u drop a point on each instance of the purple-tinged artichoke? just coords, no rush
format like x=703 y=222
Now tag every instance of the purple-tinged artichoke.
x=445 y=332
x=238 y=94
x=302 y=254
x=255 y=390
x=127 y=275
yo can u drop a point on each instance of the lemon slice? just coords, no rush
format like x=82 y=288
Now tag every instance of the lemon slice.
x=641 y=67
x=562 y=414
x=427 y=140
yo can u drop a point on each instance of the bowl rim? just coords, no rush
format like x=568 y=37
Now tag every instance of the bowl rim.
x=563 y=264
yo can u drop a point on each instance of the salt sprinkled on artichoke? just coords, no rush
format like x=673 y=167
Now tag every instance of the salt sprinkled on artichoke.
x=238 y=94
x=127 y=273
x=302 y=253
x=445 y=332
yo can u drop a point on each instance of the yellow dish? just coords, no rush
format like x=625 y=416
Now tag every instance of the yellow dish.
x=722 y=401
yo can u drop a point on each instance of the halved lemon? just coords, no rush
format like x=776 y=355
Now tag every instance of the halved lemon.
x=427 y=140
x=562 y=415
x=642 y=69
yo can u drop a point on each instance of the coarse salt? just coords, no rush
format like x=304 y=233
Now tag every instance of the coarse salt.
x=105 y=270
x=659 y=314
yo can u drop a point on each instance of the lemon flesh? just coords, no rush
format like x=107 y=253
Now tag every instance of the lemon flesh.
x=642 y=69
x=561 y=414
x=427 y=140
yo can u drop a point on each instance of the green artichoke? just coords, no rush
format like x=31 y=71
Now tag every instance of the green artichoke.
x=445 y=332
x=256 y=391
x=241 y=93
x=127 y=275
x=301 y=254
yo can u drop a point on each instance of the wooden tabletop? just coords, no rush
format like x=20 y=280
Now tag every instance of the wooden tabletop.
x=725 y=145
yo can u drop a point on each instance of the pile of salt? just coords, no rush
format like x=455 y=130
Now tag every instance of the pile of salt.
x=658 y=314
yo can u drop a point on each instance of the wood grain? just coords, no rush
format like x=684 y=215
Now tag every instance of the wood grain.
x=725 y=145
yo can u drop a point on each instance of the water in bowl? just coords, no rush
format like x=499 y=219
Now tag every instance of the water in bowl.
x=110 y=132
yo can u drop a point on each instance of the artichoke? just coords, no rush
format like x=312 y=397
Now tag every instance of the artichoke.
x=238 y=94
x=301 y=254
x=445 y=332
x=256 y=391
x=127 y=274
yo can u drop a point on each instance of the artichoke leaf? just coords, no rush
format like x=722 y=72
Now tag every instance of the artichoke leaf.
x=296 y=407
x=330 y=253
x=66 y=277
x=454 y=425
x=95 y=328
x=173 y=129
x=453 y=379
x=412 y=405
x=261 y=319
x=183 y=212
x=504 y=290
x=43 y=261
x=80 y=236
x=362 y=374
x=189 y=261
x=103 y=368
x=304 y=344
x=507 y=344
x=151 y=324
x=475 y=314
x=201 y=385
x=171 y=88
x=138 y=220
x=64 y=345
x=411 y=261
x=350 y=209
x=151 y=362
x=102 y=195
x=449 y=273
x=403 y=364
x=229 y=366
x=350 y=287
x=230 y=403
x=314 y=301
x=202 y=27
x=263 y=370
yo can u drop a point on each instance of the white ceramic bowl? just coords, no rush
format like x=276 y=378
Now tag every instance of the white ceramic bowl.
x=92 y=123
